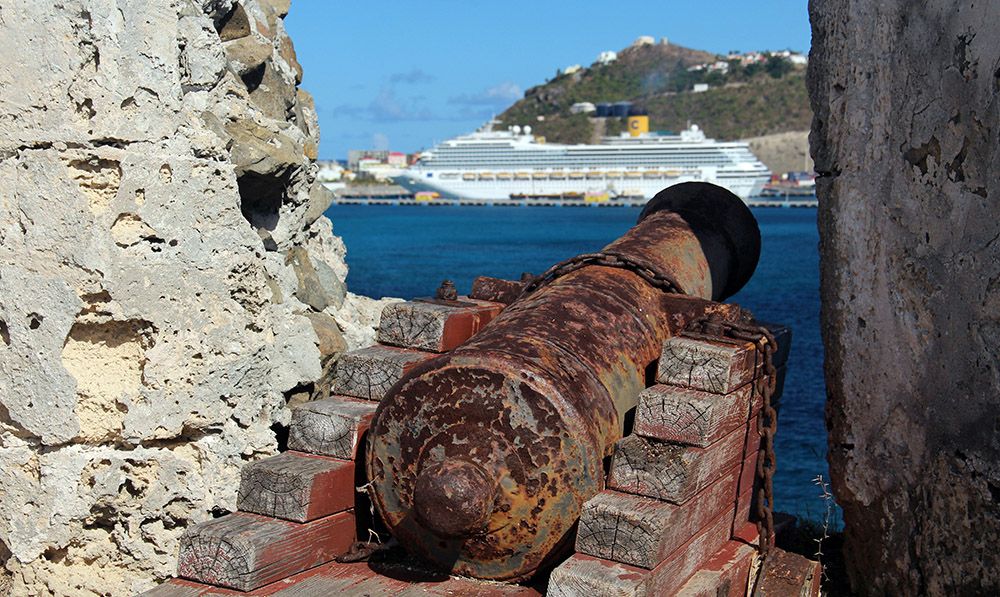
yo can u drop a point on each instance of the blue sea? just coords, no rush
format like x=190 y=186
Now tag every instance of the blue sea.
x=406 y=251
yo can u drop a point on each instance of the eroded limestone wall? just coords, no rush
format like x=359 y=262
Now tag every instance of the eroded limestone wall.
x=907 y=103
x=167 y=280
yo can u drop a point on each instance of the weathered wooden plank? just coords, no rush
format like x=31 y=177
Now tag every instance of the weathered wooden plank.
x=345 y=584
x=688 y=416
x=642 y=531
x=467 y=587
x=747 y=533
x=746 y=489
x=790 y=575
x=333 y=578
x=348 y=579
x=709 y=365
x=369 y=372
x=681 y=565
x=246 y=551
x=331 y=427
x=586 y=576
x=431 y=326
x=485 y=288
x=725 y=574
x=672 y=472
x=297 y=486
x=178 y=588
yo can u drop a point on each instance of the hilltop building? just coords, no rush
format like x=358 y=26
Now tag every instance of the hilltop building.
x=607 y=57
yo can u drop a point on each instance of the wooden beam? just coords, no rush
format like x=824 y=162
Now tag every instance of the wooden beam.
x=246 y=551
x=725 y=574
x=432 y=326
x=790 y=575
x=708 y=365
x=687 y=416
x=586 y=576
x=297 y=486
x=672 y=472
x=642 y=531
x=681 y=565
x=331 y=427
x=368 y=373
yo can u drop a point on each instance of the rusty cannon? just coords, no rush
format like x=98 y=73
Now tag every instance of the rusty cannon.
x=480 y=459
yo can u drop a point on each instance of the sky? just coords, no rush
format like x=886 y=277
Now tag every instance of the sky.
x=403 y=75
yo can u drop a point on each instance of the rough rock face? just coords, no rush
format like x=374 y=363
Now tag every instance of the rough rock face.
x=907 y=104
x=167 y=280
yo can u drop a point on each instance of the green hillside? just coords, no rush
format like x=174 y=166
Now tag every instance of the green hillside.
x=757 y=99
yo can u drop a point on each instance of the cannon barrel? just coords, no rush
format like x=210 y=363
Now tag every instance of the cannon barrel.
x=481 y=459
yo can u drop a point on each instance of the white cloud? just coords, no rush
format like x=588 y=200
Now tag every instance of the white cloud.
x=387 y=107
x=413 y=77
x=497 y=96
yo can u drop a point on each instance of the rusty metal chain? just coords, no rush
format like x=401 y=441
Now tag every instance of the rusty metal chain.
x=641 y=268
x=767 y=417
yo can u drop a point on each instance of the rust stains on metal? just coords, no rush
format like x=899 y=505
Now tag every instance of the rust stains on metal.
x=486 y=288
x=481 y=458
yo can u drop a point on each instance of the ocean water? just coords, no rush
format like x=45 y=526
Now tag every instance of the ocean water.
x=405 y=251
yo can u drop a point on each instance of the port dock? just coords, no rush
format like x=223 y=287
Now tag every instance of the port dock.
x=443 y=201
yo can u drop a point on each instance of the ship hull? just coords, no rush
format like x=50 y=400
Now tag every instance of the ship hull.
x=743 y=185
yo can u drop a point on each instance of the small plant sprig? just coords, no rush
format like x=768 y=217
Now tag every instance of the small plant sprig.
x=827 y=498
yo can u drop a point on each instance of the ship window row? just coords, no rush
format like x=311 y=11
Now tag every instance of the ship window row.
x=580 y=164
x=595 y=158
x=589 y=159
x=606 y=151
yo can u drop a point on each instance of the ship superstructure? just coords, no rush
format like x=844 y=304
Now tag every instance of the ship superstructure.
x=508 y=164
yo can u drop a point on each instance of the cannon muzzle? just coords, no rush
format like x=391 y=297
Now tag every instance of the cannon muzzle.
x=481 y=459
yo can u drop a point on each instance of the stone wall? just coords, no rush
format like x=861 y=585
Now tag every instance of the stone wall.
x=167 y=280
x=907 y=130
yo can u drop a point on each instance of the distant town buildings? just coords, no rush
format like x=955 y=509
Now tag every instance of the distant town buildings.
x=569 y=70
x=582 y=108
x=372 y=164
x=644 y=40
x=333 y=175
x=607 y=57
x=722 y=66
x=699 y=88
x=354 y=156
x=396 y=159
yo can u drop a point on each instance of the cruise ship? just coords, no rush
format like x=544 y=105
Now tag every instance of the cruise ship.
x=514 y=164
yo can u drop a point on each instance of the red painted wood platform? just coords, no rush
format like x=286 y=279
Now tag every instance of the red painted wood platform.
x=392 y=575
